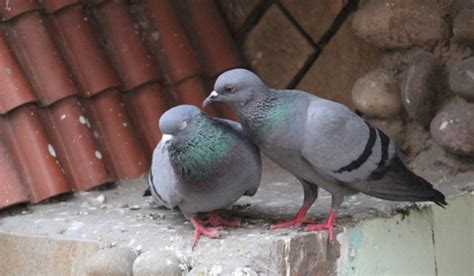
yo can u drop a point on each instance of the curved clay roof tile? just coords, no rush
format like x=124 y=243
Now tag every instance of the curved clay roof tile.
x=15 y=89
x=132 y=61
x=10 y=9
x=41 y=59
x=83 y=52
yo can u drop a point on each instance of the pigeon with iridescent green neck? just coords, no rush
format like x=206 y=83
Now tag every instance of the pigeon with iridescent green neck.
x=322 y=143
x=202 y=164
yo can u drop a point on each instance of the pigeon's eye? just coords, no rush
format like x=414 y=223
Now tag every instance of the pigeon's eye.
x=229 y=89
x=183 y=125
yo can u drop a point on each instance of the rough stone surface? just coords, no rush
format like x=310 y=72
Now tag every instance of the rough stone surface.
x=111 y=261
x=395 y=129
x=36 y=255
x=158 y=263
x=399 y=23
x=276 y=56
x=463 y=28
x=343 y=60
x=237 y=11
x=453 y=128
x=461 y=78
x=248 y=249
x=315 y=16
x=419 y=87
x=376 y=94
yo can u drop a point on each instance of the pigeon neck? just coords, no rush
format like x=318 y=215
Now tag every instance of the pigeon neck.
x=258 y=115
x=194 y=155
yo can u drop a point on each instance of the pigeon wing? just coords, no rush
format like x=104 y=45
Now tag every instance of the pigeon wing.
x=162 y=179
x=340 y=144
x=350 y=150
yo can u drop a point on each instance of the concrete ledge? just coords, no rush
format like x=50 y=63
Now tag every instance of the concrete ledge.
x=34 y=255
x=373 y=236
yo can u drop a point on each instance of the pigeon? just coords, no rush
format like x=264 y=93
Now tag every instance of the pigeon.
x=201 y=165
x=322 y=143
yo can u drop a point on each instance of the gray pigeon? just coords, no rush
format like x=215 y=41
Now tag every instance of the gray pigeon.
x=202 y=164
x=322 y=143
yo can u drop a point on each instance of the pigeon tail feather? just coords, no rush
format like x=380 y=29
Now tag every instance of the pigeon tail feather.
x=401 y=184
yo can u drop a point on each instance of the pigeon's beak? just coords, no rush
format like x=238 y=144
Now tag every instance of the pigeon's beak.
x=166 y=137
x=212 y=98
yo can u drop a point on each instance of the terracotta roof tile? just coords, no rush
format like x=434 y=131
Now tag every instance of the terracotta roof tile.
x=133 y=62
x=14 y=87
x=62 y=145
x=12 y=190
x=192 y=91
x=175 y=51
x=34 y=155
x=51 y=6
x=145 y=105
x=40 y=58
x=116 y=135
x=82 y=51
x=11 y=9
x=216 y=46
x=70 y=132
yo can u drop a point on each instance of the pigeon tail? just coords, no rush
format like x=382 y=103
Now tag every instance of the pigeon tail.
x=400 y=184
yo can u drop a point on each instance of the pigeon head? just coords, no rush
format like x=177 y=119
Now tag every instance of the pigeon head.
x=179 y=120
x=236 y=86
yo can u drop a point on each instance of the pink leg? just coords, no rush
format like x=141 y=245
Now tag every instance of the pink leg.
x=199 y=230
x=296 y=221
x=216 y=220
x=329 y=225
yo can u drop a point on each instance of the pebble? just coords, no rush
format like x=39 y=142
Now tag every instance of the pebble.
x=112 y=261
x=419 y=86
x=461 y=78
x=453 y=128
x=376 y=94
x=463 y=27
x=399 y=24
x=134 y=207
x=157 y=262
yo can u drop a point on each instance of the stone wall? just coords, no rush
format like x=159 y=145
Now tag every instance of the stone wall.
x=405 y=65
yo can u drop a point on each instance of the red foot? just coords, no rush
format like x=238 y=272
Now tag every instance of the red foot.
x=199 y=230
x=216 y=220
x=328 y=225
x=296 y=221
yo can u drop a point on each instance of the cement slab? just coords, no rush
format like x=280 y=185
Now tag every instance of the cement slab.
x=121 y=217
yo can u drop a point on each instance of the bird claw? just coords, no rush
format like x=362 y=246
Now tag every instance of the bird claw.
x=201 y=230
x=216 y=220
x=210 y=232
x=319 y=227
x=295 y=222
x=328 y=225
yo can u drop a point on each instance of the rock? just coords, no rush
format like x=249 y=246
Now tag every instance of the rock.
x=157 y=263
x=453 y=128
x=463 y=28
x=393 y=128
x=344 y=59
x=419 y=86
x=376 y=94
x=112 y=261
x=461 y=78
x=399 y=23
x=276 y=56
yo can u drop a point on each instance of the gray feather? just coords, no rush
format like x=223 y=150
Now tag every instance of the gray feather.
x=321 y=141
x=200 y=169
